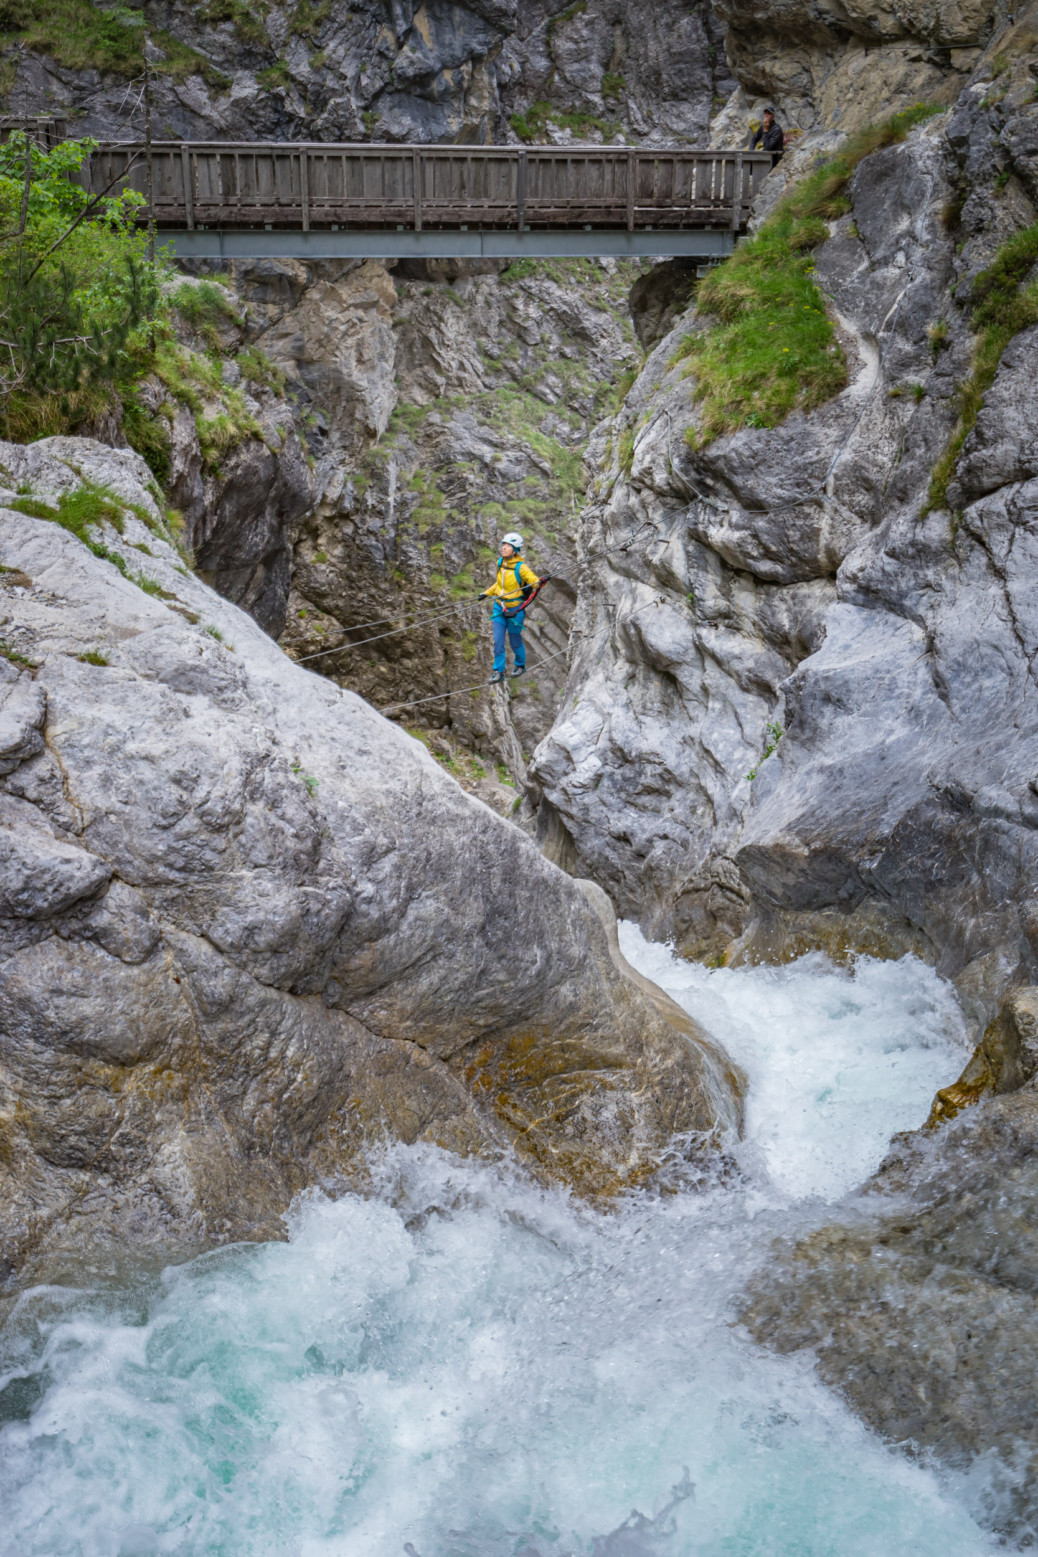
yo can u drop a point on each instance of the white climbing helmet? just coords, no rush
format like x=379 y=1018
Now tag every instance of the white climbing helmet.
x=513 y=539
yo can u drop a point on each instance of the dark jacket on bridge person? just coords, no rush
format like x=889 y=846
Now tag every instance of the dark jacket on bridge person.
x=770 y=135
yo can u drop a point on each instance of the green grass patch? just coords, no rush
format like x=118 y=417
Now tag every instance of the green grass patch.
x=1002 y=307
x=259 y=369
x=577 y=8
x=774 y=349
x=276 y=75
x=202 y=305
x=246 y=19
x=77 y=511
x=91 y=505
x=309 y=17
x=532 y=126
x=92 y=657
x=9 y=652
x=219 y=434
x=81 y=36
x=463 y=584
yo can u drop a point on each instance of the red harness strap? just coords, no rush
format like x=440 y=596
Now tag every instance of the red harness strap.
x=531 y=597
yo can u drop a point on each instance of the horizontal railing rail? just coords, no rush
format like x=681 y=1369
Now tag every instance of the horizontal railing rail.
x=312 y=186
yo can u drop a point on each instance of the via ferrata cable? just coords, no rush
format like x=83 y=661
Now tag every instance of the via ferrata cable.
x=392 y=708
x=394 y=632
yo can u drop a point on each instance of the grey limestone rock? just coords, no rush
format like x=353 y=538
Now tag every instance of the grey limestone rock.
x=248 y=929
x=469 y=401
x=22 y=709
x=824 y=730
x=920 y=1303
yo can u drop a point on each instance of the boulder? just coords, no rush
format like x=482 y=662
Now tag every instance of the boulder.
x=249 y=929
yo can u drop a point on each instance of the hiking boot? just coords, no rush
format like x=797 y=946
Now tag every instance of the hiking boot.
x=518 y=670
x=497 y=678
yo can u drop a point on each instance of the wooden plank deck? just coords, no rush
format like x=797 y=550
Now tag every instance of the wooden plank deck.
x=307 y=187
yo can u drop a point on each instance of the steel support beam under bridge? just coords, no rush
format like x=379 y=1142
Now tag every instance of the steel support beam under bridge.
x=236 y=243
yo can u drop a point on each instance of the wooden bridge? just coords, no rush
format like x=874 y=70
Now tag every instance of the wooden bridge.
x=320 y=199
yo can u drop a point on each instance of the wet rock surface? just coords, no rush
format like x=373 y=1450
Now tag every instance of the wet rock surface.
x=921 y=1306
x=249 y=928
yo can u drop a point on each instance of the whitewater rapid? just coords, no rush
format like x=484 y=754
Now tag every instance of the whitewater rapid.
x=463 y=1365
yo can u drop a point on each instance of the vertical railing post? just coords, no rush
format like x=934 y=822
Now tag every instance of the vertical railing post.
x=417 y=176
x=189 y=193
x=631 y=175
x=147 y=156
x=737 y=193
x=520 y=189
x=304 y=185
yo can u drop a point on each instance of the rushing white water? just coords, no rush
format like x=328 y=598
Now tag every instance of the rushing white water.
x=467 y=1366
x=838 y=1062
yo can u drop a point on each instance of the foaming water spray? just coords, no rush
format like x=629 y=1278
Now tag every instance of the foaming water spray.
x=463 y=1364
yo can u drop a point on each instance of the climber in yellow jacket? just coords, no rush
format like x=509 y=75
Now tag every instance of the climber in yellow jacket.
x=508 y=592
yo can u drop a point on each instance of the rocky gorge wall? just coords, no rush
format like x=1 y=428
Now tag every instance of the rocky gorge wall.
x=489 y=70
x=806 y=739
x=469 y=418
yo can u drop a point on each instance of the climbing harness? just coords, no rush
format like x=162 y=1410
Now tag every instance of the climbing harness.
x=530 y=593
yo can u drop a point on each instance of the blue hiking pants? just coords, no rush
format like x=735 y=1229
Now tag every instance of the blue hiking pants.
x=513 y=625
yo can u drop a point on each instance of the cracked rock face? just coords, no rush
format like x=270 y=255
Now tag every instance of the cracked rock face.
x=803 y=713
x=393 y=70
x=840 y=64
x=248 y=928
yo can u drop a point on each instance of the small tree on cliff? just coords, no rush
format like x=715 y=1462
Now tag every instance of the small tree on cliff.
x=76 y=288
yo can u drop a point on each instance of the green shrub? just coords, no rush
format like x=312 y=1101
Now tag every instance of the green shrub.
x=75 y=290
x=149 y=435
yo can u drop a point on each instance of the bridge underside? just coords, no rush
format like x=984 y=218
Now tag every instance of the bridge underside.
x=238 y=243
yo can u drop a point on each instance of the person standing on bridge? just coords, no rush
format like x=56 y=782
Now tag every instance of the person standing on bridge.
x=514 y=583
x=769 y=133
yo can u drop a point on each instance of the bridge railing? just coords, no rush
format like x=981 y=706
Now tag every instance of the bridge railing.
x=323 y=185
